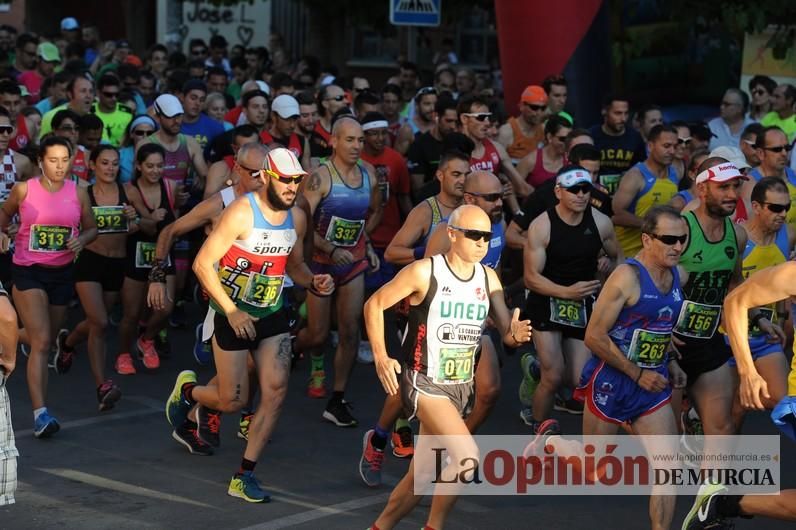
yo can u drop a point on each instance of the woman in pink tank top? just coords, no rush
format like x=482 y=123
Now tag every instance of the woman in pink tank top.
x=56 y=222
x=543 y=163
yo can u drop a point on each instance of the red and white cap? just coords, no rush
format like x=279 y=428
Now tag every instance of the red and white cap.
x=722 y=172
x=283 y=162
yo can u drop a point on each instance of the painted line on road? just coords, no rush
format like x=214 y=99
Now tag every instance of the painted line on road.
x=321 y=512
x=122 y=487
x=96 y=419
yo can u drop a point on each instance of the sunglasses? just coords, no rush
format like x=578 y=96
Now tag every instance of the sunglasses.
x=110 y=94
x=142 y=132
x=779 y=148
x=6 y=129
x=473 y=235
x=489 y=197
x=777 y=208
x=668 y=239
x=537 y=108
x=336 y=98
x=254 y=173
x=296 y=179
x=478 y=116
x=684 y=141
x=580 y=188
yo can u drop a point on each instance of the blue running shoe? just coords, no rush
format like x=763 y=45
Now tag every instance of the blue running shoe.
x=45 y=425
x=201 y=350
x=178 y=406
x=245 y=486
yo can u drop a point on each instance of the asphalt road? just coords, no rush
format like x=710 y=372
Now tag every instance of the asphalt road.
x=121 y=469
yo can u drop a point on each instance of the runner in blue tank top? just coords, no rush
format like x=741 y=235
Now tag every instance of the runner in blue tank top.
x=345 y=201
x=631 y=374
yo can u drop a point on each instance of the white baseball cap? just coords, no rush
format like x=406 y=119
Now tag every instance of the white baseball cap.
x=722 y=172
x=168 y=105
x=286 y=106
x=283 y=162
x=573 y=177
x=732 y=154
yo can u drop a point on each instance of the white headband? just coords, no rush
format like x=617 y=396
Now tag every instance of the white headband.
x=375 y=125
x=720 y=173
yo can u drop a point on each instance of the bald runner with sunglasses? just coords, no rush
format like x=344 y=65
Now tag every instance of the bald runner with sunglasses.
x=254 y=244
x=560 y=267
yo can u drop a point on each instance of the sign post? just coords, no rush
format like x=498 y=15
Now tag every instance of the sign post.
x=415 y=12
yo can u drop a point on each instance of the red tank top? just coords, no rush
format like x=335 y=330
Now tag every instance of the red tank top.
x=23 y=135
x=230 y=161
x=489 y=161
x=539 y=174
x=293 y=142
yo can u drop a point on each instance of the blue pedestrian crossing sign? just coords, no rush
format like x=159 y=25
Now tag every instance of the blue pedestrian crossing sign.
x=415 y=12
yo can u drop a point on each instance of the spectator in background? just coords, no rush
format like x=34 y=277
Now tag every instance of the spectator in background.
x=239 y=76
x=217 y=80
x=408 y=75
x=465 y=82
x=282 y=83
x=445 y=80
x=446 y=53
x=114 y=116
x=70 y=29
x=700 y=137
x=218 y=54
x=11 y=99
x=157 y=62
x=781 y=114
x=555 y=86
x=32 y=117
x=196 y=70
x=80 y=94
x=148 y=87
x=49 y=58
x=732 y=119
x=761 y=88
x=91 y=41
x=195 y=123
x=91 y=127
x=8 y=35
x=141 y=127
x=748 y=143
x=53 y=92
x=26 y=55
x=647 y=117
x=216 y=107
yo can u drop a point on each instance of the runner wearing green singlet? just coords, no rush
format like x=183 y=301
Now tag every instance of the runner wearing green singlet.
x=711 y=266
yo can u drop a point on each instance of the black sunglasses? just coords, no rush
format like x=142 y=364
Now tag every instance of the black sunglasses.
x=110 y=94
x=142 y=132
x=580 y=188
x=489 y=197
x=341 y=97
x=779 y=148
x=253 y=172
x=6 y=129
x=537 y=108
x=668 y=239
x=777 y=208
x=474 y=235
x=478 y=116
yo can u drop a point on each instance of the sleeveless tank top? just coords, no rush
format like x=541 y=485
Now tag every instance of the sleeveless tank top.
x=80 y=163
x=178 y=162
x=110 y=219
x=710 y=266
x=47 y=222
x=22 y=139
x=9 y=176
x=436 y=217
x=489 y=161
x=655 y=191
x=539 y=174
x=340 y=216
x=573 y=250
x=790 y=182
x=522 y=145
x=758 y=257
x=643 y=331
x=252 y=272
x=496 y=244
x=444 y=330
x=141 y=246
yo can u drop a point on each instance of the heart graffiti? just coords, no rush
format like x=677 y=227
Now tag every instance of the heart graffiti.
x=245 y=34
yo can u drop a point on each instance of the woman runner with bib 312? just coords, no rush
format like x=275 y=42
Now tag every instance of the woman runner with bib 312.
x=55 y=224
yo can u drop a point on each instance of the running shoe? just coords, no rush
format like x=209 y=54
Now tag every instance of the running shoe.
x=178 y=406
x=124 y=364
x=107 y=395
x=243 y=425
x=692 y=440
x=162 y=344
x=201 y=350
x=177 y=317
x=544 y=430
x=45 y=425
x=403 y=443
x=245 y=486
x=370 y=462
x=63 y=357
x=364 y=354
x=189 y=437
x=147 y=353
x=526 y=415
x=339 y=412
x=570 y=406
x=530 y=378
x=209 y=425
x=703 y=513
x=316 y=388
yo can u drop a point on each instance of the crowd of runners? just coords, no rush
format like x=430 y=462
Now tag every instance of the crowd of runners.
x=412 y=226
